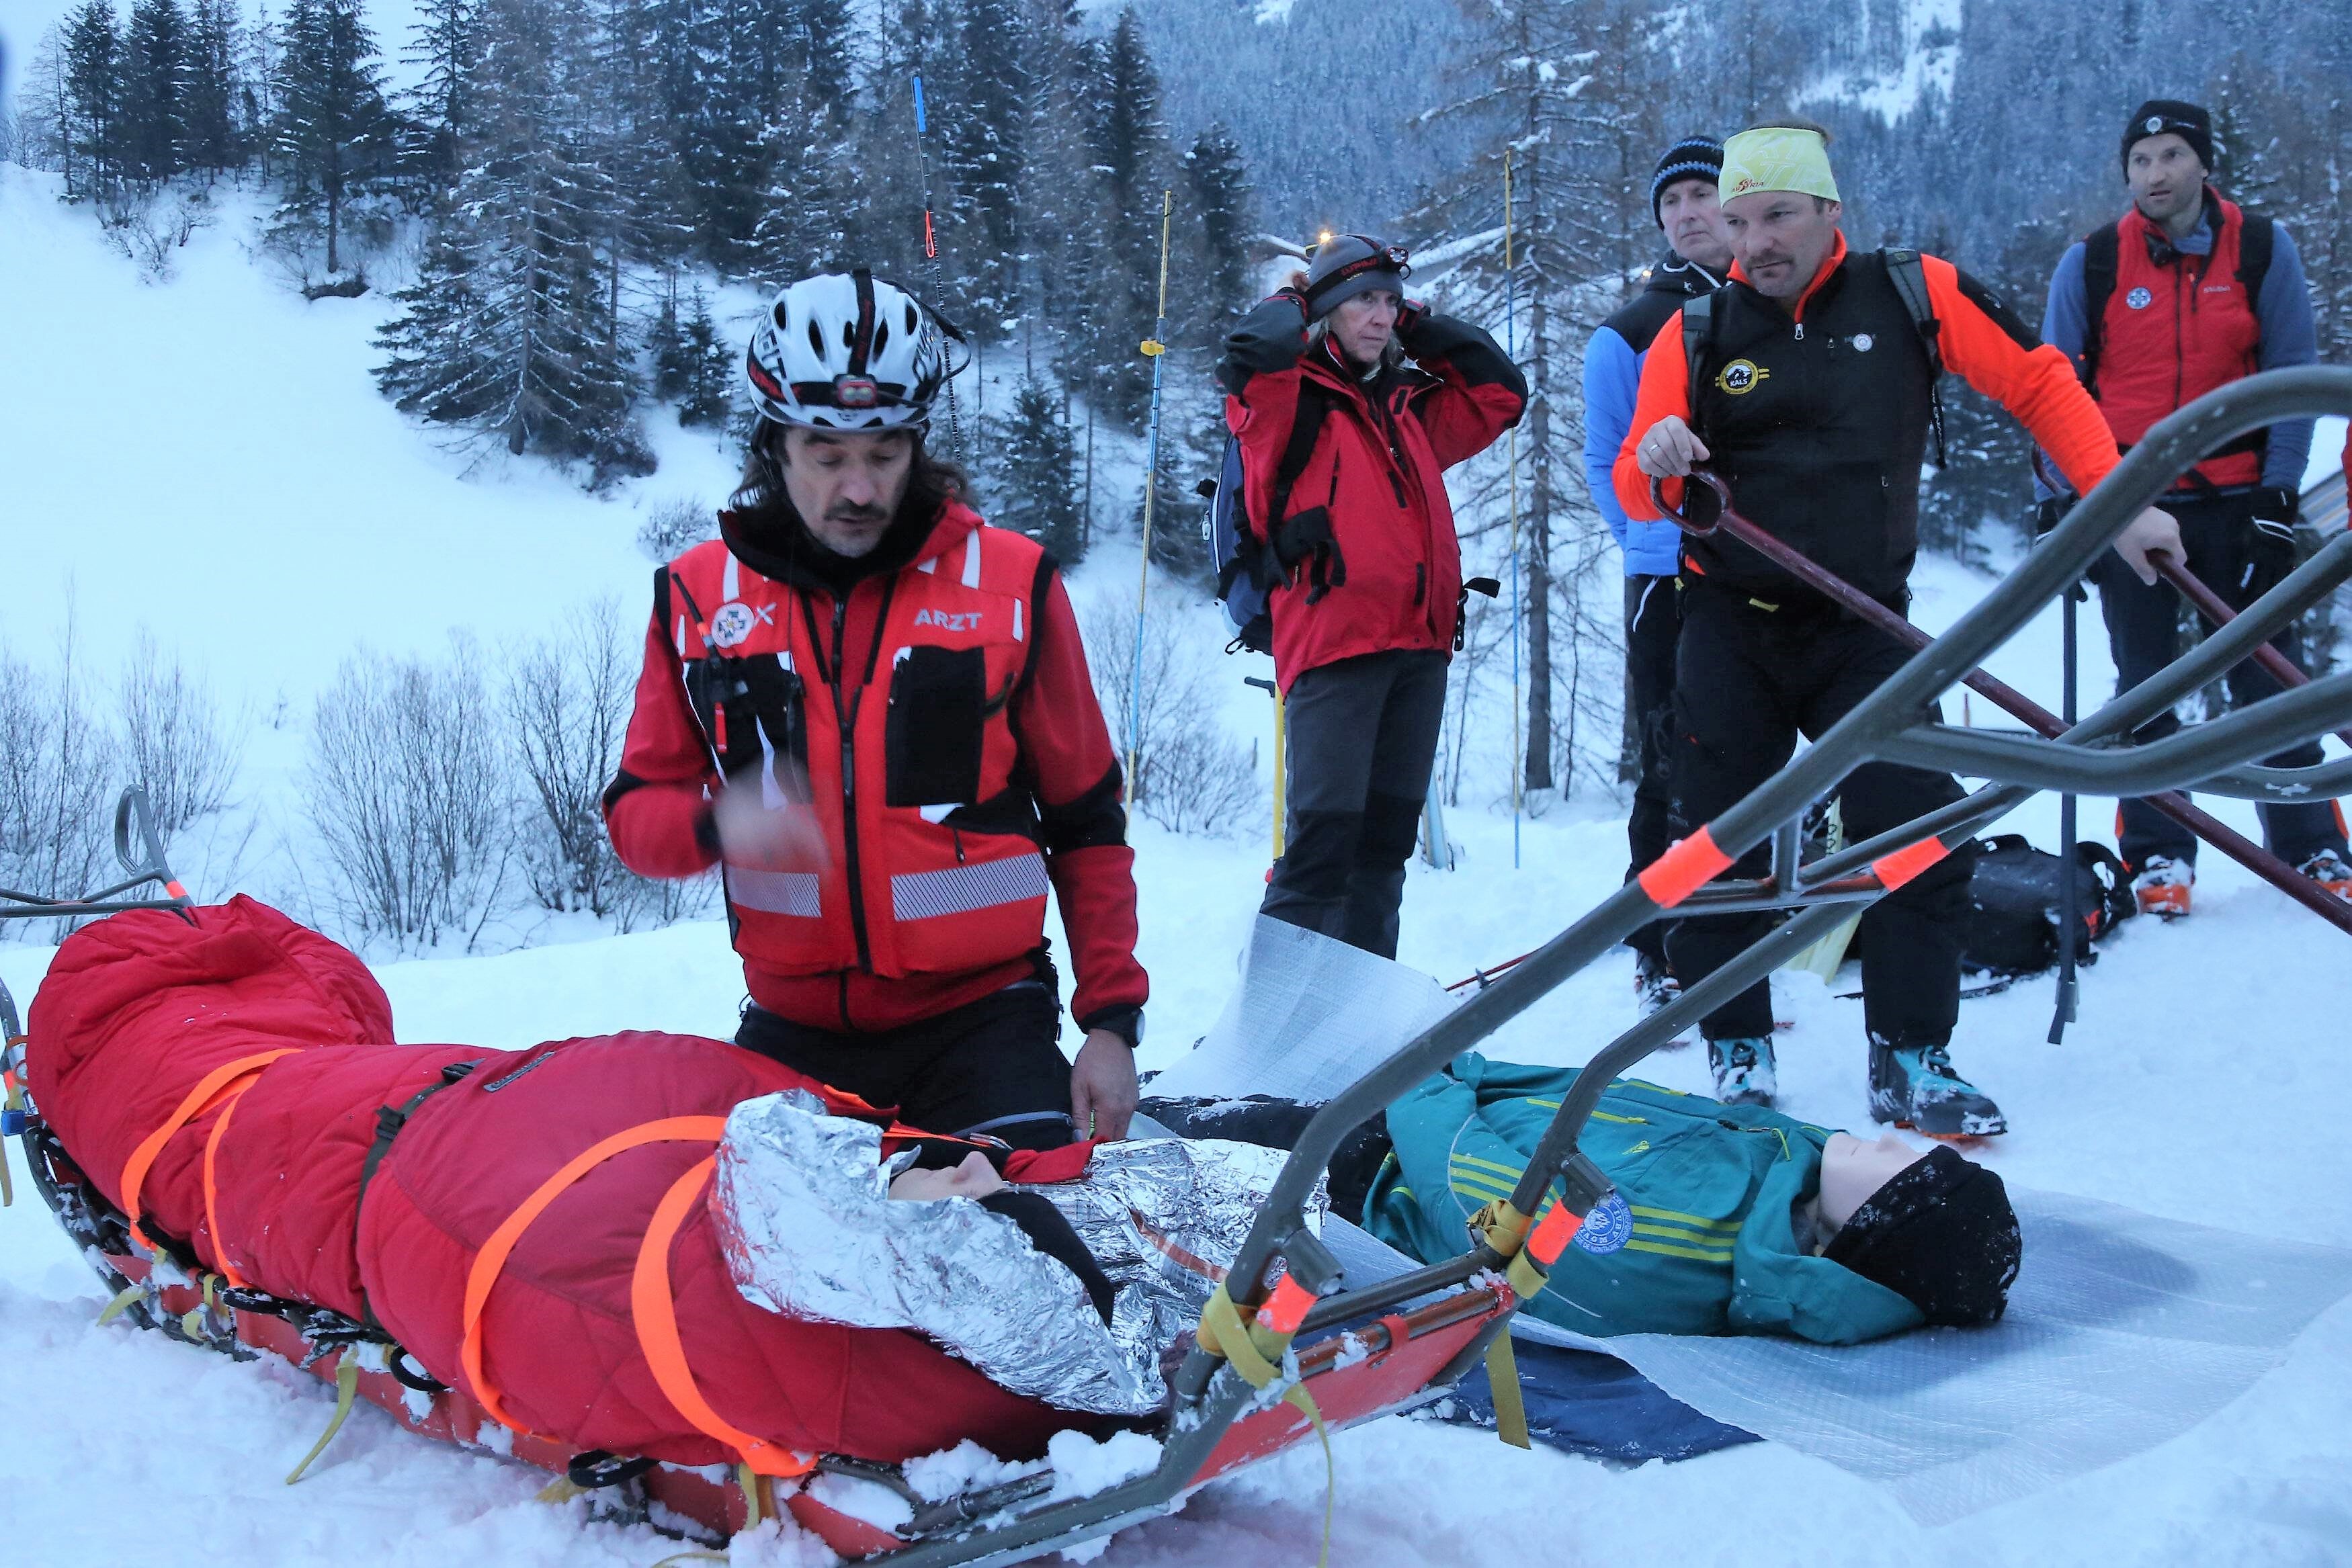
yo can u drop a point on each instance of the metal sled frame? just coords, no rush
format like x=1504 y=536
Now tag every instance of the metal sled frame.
x=1426 y=1329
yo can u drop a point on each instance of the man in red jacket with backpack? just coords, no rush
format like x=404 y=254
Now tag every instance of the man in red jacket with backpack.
x=873 y=710
x=1349 y=402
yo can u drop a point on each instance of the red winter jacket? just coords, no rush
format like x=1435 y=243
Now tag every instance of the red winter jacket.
x=262 y=1181
x=977 y=768
x=1373 y=488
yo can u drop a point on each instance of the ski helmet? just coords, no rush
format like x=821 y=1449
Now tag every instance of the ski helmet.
x=849 y=351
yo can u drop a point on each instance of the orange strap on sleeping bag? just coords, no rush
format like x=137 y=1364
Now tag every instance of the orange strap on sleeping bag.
x=650 y=1304
x=212 y=1189
x=209 y=1091
x=656 y=1313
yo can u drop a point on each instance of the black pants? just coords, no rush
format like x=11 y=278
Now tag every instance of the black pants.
x=1362 y=738
x=1653 y=624
x=2241 y=563
x=993 y=1066
x=1747 y=682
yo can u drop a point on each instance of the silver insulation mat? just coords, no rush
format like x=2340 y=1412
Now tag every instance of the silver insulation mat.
x=810 y=1230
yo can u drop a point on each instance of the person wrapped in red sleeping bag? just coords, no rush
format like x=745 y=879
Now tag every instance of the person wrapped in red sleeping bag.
x=232 y=1072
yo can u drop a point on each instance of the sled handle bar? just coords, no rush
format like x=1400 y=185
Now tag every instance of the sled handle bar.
x=139 y=847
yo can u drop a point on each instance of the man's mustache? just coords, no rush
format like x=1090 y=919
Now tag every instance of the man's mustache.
x=849 y=512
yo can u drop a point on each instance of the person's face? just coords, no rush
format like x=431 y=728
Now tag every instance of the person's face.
x=1694 y=223
x=1362 y=324
x=846 y=484
x=1780 y=238
x=973 y=1178
x=2164 y=177
x=1851 y=1170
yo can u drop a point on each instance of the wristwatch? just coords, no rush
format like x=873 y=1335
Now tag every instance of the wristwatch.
x=1125 y=1023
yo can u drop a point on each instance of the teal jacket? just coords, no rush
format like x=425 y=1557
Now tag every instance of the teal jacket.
x=1713 y=1191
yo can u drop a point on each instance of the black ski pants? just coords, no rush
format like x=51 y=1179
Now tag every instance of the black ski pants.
x=2241 y=562
x=993 y=1066
x=1749 y=681
x=1361 y=735
x=1654 y=621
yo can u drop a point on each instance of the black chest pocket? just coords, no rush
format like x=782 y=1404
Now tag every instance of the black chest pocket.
x=741 y=702
x=938 y=721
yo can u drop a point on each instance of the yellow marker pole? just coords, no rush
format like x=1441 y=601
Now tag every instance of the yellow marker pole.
x=1281 y=772
x=1156 y=352
x=1511 y=347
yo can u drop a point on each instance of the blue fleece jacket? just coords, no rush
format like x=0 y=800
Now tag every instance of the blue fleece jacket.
x=1612 y=375
x=2289 y=337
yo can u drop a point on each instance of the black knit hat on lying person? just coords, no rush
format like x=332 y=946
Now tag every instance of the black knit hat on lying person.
x=2186 y=121
x=1942 y=1236
x=1692 y=158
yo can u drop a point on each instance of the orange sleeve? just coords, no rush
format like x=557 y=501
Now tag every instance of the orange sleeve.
x=2002 y=358
x=1665 y=389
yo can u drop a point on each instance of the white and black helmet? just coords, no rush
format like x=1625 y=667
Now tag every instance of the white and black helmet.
x=847 y=350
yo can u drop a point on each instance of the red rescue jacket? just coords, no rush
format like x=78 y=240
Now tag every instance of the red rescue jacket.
x=938 y=723
x=1377 y=473
x=2173 y=330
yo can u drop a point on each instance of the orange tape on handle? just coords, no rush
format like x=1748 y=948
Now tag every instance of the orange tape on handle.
x=1895 y=870
x=1551 y=1237
x=492 y=1258
x=1683 y=870
x=1287 y=1307
x=200 y=1098
x=655 y=1312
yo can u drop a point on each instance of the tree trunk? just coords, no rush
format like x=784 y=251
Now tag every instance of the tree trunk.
x=1537 y=540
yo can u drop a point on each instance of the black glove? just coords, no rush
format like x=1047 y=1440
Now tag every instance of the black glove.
x=1293 y=293
x=2277 y=504
x=2048 y=514
x=1409 y=315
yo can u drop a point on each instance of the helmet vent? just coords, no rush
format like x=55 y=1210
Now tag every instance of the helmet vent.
x=817 y=339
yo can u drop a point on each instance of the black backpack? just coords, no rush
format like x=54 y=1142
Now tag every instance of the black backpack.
x=2014 y=896
x=2101 y=251
x=1251 y=560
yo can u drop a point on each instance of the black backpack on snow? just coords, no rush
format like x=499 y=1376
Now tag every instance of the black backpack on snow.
x=2014 y=897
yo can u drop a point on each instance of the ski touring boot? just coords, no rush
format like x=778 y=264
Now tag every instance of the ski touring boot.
x=1913 y=1086
x=2162 y=886
x=1656 y=988
x=2327 y=868
x=1743 y=1070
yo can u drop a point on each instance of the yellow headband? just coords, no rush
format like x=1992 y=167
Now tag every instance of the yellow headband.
x=1774 y=159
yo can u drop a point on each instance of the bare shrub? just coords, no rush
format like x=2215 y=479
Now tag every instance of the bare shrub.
x=675 y=527
x=567 y=704
x=181 y=749
x=1190 y=777
x=54 y=786
x=147 y=225
x=408 y=794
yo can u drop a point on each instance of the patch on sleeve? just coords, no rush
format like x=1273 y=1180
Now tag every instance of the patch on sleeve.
x=1608 y=1228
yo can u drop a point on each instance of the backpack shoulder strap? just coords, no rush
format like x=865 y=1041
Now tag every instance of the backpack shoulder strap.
x=2100 y=247
x=2256 y=238
x=1306 y=429
x=1910 y=280
x=1698 y=330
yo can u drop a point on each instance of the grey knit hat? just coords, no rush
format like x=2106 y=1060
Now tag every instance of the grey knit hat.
x=1349 y=264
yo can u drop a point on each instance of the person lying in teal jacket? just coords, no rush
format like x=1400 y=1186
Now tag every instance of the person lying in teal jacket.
x=1741 y=1220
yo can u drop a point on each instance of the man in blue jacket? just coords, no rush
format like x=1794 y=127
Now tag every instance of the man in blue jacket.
x=2185 y=292
x=1682 y=199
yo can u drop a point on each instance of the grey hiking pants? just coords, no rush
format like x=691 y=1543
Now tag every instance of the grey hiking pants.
x=1362 y=737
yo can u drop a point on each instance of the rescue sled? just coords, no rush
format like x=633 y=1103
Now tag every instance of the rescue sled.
x=1270 y=1367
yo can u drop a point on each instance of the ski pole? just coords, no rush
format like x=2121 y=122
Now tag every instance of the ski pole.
x=1156 y=352
x=2172 y=803
x=932 y=252
x=1510 y=351
x=2063 y=1011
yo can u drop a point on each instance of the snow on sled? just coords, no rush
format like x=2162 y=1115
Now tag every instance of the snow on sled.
x=1262 y=1372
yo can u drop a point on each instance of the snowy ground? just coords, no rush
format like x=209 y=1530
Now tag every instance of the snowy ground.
x=248 y=498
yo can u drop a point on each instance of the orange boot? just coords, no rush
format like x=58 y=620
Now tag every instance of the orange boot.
x=2327 y=868
x=2162 y=886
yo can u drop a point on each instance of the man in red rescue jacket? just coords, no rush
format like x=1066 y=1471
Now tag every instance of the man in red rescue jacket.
x=873 y=710
x=2186 y=292
x=1344 y=451
x=1807 y=385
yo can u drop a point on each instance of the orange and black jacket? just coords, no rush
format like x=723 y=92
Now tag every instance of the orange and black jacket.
x=937 y=723
x=1818 y=417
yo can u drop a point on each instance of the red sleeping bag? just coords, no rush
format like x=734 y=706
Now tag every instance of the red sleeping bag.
x=144 y=1019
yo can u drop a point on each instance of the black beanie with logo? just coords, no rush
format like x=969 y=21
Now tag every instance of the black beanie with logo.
x=2186 y=120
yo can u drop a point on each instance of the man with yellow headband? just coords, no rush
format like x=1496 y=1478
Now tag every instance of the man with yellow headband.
x=1808 y=383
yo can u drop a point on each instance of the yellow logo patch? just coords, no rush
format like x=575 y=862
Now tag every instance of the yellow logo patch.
x=1741 y=377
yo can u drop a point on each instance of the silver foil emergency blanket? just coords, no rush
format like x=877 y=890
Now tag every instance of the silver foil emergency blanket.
x=810 y=1230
